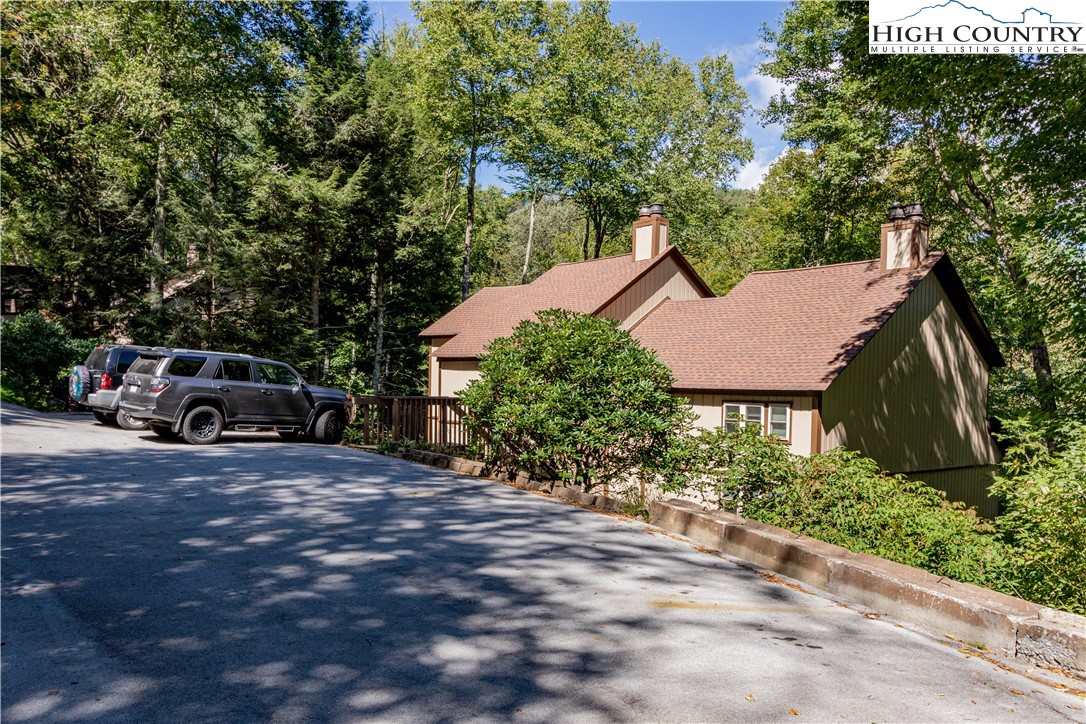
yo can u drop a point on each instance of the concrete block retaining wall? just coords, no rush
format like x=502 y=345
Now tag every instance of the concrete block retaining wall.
x=1003 y=624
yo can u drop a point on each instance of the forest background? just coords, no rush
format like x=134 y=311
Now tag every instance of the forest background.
x=288 y=180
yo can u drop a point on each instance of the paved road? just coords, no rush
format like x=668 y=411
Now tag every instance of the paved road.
x=258 y=580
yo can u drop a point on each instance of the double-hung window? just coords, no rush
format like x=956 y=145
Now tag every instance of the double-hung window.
x=766 y=418
x=744 y=414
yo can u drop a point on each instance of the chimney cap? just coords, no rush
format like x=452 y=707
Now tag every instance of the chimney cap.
x=896 y=212
x=644 y=211
x=914 y=210
x=656 y=209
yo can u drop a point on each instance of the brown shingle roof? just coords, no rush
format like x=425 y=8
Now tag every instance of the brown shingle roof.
x=493 y=312
x=786 y=331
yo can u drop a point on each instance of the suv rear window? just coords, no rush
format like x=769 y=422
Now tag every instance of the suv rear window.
x=96 y=360
x=126 y=359
x=145 y=365
x=184 y=366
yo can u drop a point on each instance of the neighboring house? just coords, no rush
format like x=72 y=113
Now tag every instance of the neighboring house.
x=888 y=357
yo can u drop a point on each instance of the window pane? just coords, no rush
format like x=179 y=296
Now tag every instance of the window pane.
x=186 y=366
x=276 y=374
x=144 y=365
x=235 y=370
x=778 y=421
x=753 y=414
x=127 y=358
x=731 y=412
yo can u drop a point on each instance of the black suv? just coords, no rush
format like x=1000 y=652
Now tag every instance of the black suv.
x=97 y=383
x=198 y=394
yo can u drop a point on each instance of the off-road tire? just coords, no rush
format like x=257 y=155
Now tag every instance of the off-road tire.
x=127 y=422
x=329 y=428
x=164 y=431
x=202 y=426
x=106 y=418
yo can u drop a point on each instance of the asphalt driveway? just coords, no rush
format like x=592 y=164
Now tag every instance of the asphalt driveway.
x=259 y=580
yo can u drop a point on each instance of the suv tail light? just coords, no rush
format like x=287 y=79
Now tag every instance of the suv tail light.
x=106 y=382
x=158 y=384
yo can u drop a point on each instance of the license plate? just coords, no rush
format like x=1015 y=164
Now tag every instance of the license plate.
x=134 y=387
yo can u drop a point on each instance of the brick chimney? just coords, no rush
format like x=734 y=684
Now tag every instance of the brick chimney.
x=650 y=232
x=904 y=238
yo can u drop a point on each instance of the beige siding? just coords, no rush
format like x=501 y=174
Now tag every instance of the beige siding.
x=433 y=377
x=455 y=376
x=915 y=398
x=709 y=410
x=665 y=281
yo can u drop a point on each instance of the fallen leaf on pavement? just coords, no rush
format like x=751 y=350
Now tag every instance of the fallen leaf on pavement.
x=749 y=697
x=793 y=712
x=1016 y=691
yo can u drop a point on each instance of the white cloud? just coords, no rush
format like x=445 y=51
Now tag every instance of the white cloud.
x=761 y=88
x=751 y=175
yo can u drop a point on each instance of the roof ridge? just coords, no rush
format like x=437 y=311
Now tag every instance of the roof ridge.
x=809 y=268
x=587 y=261
x=933 y=253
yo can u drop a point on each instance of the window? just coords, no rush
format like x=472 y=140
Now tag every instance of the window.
x=274 y=374
x=772 y=418
x=235 y=370
x=779 y=419
x=144 y=365
x=128 y=356
x=744 y=414
x=184 y=366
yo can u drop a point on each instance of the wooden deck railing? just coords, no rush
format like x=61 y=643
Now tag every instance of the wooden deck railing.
x=437 y=420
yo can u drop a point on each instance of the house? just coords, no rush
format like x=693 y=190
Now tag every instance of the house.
x=888 y=356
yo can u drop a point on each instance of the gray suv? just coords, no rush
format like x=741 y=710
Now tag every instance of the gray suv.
x=197 y=395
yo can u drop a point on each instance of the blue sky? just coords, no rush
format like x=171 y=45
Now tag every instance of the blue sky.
x=689 y=30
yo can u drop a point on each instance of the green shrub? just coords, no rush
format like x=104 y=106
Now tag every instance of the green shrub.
x=1043 y=497
x=36 y=358
x=572 y=397
x=728 y=470
x=845 y=499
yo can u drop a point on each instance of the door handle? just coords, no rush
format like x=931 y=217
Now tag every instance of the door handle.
x=267 y=392
x=224 y=389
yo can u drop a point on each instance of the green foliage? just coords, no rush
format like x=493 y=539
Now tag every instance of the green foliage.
x=845 y=499
x=572 y=397
x=729 y=470
x=1043 y=498
x=37 y=356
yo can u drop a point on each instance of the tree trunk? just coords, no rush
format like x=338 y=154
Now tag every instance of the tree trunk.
x=584 y=242
x=600 y=225
x=379 y=322
x=1033 y=331
x=466 y=278
x=158 y=238
x=528 y=249
x=315 y=282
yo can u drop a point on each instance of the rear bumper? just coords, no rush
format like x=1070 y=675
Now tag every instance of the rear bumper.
x=103 y=400
x=143 y=412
